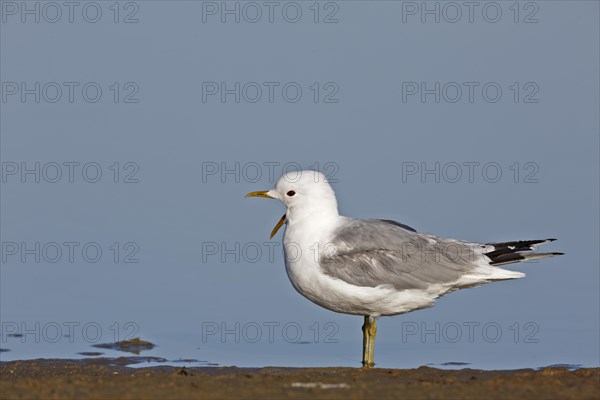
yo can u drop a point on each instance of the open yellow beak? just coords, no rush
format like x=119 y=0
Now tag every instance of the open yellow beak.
x=260 y=193
x=264 y=193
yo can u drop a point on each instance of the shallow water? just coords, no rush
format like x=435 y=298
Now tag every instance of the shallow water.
x=188 y=350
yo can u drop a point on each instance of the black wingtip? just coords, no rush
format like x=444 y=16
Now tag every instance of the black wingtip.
x=558 y=254
x=551 y=240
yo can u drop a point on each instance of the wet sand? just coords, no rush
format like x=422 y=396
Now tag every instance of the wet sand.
x=111 y=379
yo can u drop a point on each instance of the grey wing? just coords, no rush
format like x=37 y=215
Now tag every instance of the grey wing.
x=381 y=252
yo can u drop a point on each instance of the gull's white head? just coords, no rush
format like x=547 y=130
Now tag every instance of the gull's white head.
x=304 y=193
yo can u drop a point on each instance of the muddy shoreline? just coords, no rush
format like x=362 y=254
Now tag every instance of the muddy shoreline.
x=110 y=378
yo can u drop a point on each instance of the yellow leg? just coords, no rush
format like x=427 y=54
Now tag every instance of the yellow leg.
x=369 y=332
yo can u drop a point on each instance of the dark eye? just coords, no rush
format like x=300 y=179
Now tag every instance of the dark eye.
x=291 y=193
